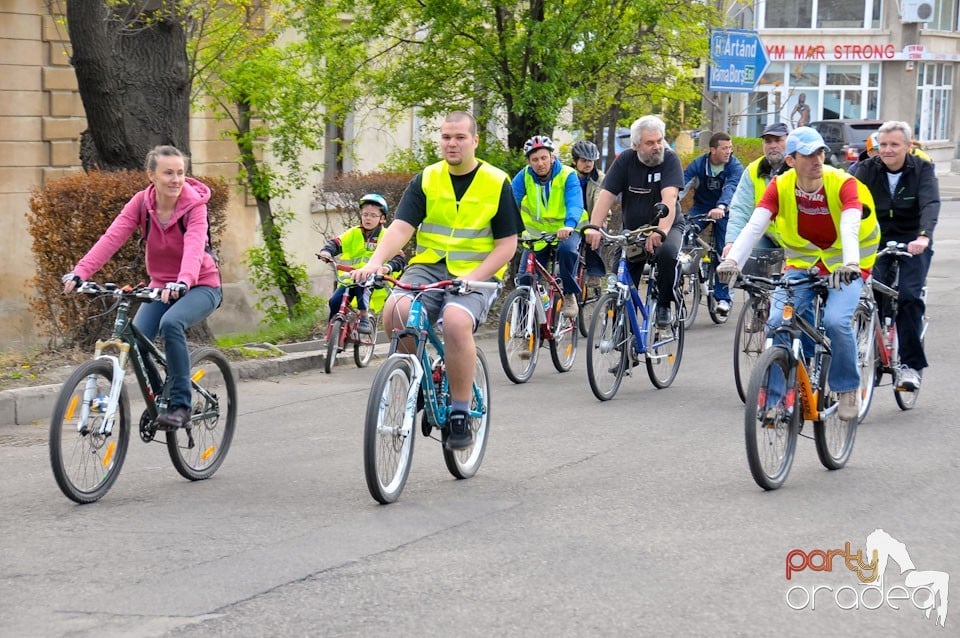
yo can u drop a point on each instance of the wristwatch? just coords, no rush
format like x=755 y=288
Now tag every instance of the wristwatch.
x=722 y=207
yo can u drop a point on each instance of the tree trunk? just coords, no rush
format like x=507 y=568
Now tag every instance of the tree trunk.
x=134 y=80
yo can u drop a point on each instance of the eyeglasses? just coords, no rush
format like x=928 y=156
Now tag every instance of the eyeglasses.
x=371 y=215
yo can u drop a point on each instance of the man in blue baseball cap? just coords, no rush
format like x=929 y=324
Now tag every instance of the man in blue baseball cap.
x=824 y=218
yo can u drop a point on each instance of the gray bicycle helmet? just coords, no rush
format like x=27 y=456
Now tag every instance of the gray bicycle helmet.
x=585 y=149
x=377 y=200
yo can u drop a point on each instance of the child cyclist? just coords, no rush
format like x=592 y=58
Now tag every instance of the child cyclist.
x=354 y=248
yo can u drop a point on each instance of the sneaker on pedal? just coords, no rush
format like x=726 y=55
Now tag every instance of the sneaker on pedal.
x=909 y=379
x=723 y=307
x=176 y=418
x=849 y=408
x=459 y=432
x=364 y=326
x=594 y=281
x=664 y=317
x=570 y=308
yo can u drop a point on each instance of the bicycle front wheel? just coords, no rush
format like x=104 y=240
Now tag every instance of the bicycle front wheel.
x=464 y=463
x=867 y=357
x=664 y=349
x=199 y=451
x=690 y=289
x=607 y=346
x=364 y=346
x=748 y=341
x=387 y=448
x=833 y=436
x=519 y=335
x=333 y=344
x=771 y=425
x=85 y=461
x=563 y=346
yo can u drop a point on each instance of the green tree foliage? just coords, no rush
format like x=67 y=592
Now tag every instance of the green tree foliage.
x=526 y=60
x=67 y=217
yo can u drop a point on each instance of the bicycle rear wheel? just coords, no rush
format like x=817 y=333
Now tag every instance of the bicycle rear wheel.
x=748 y=341
x=690 y=290
x=364 y=346
x=833 y=436
x=907 y=399
x=771 y=424
x=867 y=357
x=464 y=463
x=664 y=348
x=86 y=463
x=518 y=338
x=199 y=452
x=563 y=346
x=387 y=449
x=607 y=346
x=588 y=305
x=333 y=344
x=712 y=302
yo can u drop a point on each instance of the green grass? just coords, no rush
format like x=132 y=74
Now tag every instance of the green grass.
x=299 y=329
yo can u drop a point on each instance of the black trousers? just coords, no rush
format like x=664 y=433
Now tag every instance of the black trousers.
x=913 y=275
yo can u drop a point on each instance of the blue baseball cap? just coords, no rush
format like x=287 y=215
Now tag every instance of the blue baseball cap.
x=805 y=140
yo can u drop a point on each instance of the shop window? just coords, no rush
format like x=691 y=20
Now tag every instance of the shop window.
x=934 y=101
x=822 y=14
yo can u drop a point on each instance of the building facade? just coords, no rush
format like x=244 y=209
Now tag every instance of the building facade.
x=855 y=59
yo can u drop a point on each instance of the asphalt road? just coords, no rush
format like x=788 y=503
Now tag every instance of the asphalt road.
x=632 y=517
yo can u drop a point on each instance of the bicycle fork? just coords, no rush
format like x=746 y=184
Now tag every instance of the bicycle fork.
x=109 y=411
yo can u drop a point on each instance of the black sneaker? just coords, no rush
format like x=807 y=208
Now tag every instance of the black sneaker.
x=459 y=432
x=664 y=317
x=364 y=326
x=176 y=418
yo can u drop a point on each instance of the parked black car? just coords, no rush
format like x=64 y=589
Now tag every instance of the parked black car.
x=846 y=139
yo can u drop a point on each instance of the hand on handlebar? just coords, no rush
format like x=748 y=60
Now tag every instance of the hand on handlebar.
x=592 y=237
x=70 y=282
x=728 y=271
x=844 y=275
x=173 y=291
x=564 y=232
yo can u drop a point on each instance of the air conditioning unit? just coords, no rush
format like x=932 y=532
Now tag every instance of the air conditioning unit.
x=916 y=11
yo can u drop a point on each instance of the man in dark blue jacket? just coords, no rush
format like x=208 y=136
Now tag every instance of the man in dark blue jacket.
x=907 y=197
x=714 y=177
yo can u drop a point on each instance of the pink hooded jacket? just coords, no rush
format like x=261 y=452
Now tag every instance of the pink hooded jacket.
x=171 y=254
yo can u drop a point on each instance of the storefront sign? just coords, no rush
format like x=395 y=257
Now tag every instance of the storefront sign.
x=737 y=60
x=853 y=52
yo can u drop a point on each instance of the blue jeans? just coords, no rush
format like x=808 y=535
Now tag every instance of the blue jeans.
x=361 y=294
x=720 y=290
x=844 y=374
x=171 y=321
x=568 y=258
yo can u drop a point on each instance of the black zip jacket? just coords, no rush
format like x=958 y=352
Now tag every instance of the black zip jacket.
x=914 y=209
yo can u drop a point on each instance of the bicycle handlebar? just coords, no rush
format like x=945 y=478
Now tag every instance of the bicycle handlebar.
x=811 y=276
x=459 y=286
x=139 y=291
x=530 y=240
x=627 y=236
x=898 y=249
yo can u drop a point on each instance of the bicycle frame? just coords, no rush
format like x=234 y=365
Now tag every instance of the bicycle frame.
x=532 y=267
x=346 y=312
x=629 y=296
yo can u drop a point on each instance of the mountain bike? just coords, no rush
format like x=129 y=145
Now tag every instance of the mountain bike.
x=90 y=427
x=787 y=387
x=531 y=315
x=342 y=330
x=877 y=344
x=698 y=261
x=623 y=326
x=748 y=340
x=408 y=383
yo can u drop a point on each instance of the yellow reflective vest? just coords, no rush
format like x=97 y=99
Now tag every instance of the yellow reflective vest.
x=800 y=252
x=459 y=232
x=549 y=218
x=356 y=252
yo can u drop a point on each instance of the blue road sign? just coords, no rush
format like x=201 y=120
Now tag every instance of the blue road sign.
x=737 y=60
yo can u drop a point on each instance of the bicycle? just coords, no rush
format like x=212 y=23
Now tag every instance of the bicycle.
x=616 y=332
x=877 y=343
x=410 y=382
x=342 y=330
x=90 y=427
x=787 y=388
x=531 y=315
x=698 y=261
x=749 y=338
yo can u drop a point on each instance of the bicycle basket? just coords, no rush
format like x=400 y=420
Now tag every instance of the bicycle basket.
x=764 y=262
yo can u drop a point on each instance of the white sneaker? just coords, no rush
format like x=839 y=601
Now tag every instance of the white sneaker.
x=909 y=379
x=723 y=307
x=569 y=308
x=849 y=408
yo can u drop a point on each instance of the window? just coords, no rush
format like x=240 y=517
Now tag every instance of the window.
x=822 y=14
x=934 y=101
x=802 y=92
x=944 y=16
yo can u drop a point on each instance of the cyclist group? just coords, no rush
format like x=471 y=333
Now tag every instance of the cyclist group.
x=467 y=215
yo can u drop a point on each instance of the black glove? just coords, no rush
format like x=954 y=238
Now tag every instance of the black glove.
x=844 y=275
x=71 y=277
x=660 y=210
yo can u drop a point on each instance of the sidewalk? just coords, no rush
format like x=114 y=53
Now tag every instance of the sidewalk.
x=25 y=406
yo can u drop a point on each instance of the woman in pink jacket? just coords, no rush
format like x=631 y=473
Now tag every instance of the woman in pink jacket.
x=172 y=213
